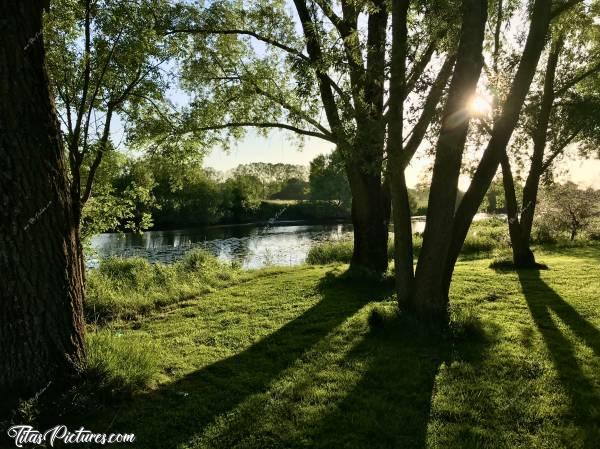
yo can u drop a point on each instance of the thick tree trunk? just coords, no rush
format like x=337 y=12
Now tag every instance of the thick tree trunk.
x=501 y=133
x=41 y=320
x=370 y=217
x=429 y=298
x=522 y=255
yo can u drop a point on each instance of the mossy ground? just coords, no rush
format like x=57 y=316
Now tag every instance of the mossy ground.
x=297 y=358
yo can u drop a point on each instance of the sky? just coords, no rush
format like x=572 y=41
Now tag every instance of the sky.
x=280 y=147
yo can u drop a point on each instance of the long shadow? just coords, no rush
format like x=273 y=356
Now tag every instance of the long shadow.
x=390 y=406
x=543 y=301
x=180 y=410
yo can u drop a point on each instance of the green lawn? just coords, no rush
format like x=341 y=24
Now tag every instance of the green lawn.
x=296 y=358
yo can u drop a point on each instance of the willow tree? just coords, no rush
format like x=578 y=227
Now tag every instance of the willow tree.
x=41 y=323
x=319 y=71
x=561 y=111
x=105 y=62
x=447 y=227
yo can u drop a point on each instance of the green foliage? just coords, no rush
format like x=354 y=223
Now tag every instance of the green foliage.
x=128 y=288
x=566 y=210
x=293 y=189
x=272 y=177
x=241 y=196
x=105 y=61
x=122 y=199
x=328 y=180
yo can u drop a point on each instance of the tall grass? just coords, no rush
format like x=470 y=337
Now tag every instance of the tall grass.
x=126 y=288
x=119 y=364
x=484 y=238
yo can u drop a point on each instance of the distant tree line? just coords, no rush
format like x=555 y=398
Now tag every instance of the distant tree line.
x=133 y=194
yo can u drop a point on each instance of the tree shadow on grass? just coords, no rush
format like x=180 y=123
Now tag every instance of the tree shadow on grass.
x=543 y=301
x=177 y=412
x=390 y=406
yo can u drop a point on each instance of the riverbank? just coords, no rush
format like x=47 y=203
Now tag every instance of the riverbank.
x=267 y=211
x=306 y=358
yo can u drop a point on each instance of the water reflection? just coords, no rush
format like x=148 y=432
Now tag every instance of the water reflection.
x=251 y=246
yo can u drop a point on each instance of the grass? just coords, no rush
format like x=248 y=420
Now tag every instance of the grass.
x=128 y=288
x=306 y=358
x=485 y=237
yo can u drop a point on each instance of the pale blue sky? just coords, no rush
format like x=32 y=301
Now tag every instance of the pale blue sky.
x=279 y=146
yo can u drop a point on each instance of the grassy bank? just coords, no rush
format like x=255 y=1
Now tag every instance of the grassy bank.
x=485 y=238
x=304 y=358
x=129 y=288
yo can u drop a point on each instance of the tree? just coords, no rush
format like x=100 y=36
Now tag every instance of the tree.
x=567 y=208
x=241 y=196
x=542 y=12
x=428 y=298
x=273 y=177
x=105 y=62
x=560 y=112
x=41 y=320
x=328 y=181
x=293 y=189
x=123 y=197
x=447 y=226
x=336 y=69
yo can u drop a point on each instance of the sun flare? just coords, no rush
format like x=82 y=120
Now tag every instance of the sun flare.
x=479 y=105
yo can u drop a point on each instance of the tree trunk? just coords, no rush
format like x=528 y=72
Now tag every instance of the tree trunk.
x=540 y=133
x=522 y=255
x=501 y=133
x=403 y=245
x=403 y=248
x=41 y=320
x=370 y=216
x=429 y=298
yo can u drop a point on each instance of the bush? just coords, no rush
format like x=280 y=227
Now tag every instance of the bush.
x=128 y=287
x=120 y=364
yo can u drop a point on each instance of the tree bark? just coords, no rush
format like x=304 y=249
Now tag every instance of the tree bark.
x=362 y=153
x=370 y=219
x=429 y=299
x=41 y=319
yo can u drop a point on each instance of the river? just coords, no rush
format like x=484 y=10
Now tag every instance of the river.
x=281 y=244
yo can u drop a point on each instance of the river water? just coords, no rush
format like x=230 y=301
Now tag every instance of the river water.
x=281 y=244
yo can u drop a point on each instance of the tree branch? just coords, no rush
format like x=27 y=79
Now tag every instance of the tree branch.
x=96 y=163
x=251 y=33
x=577 y=79
x=559 y=150
x=419 y=66
x=73 y=145
x=564 y=7
x=295 y=129
x=428 y=111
